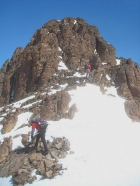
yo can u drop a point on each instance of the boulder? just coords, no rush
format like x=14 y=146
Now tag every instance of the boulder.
x=25 y=139
x=132 y=109
x=9 y=123
x=5 y=148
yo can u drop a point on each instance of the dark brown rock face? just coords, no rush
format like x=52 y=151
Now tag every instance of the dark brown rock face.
x=71 y=40
x=6 y=76
x=127 y=79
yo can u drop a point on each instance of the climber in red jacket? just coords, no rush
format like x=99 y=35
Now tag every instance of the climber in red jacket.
x=40 y=134
x=88 y=69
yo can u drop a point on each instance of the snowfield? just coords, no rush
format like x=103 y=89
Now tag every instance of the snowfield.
x=105 y=142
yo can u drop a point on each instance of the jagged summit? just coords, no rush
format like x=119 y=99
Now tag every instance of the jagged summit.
x=74 y=43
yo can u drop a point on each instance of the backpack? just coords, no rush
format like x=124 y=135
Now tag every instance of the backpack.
x=43 y=124
x=38 y=119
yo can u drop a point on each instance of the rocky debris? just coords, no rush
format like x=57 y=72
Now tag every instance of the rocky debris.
x=22 y=176
x=21 y=162
x=59 y=147
x=5 y=148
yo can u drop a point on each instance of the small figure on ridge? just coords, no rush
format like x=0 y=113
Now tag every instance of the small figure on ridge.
x=88 y=69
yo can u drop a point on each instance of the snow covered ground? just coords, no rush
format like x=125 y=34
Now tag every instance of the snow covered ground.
x=106 y=143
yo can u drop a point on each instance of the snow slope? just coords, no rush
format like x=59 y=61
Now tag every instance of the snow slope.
x=105 y=142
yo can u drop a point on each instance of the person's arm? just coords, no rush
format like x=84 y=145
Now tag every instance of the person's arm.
x=32 y=132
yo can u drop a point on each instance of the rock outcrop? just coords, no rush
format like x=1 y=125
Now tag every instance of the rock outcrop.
x=5 y=148
x=126 y=78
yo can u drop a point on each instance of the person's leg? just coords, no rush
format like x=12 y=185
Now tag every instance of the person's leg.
x=44 y=141
x=88 y=71
x=37 y=140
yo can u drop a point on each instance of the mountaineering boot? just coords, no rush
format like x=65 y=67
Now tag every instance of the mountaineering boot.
x=45 y=152
x=34 y=148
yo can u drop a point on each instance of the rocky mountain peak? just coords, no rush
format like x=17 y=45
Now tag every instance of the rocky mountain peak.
x=73 y=42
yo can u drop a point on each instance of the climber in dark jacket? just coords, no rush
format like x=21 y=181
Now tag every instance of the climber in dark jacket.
x=40 y=134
